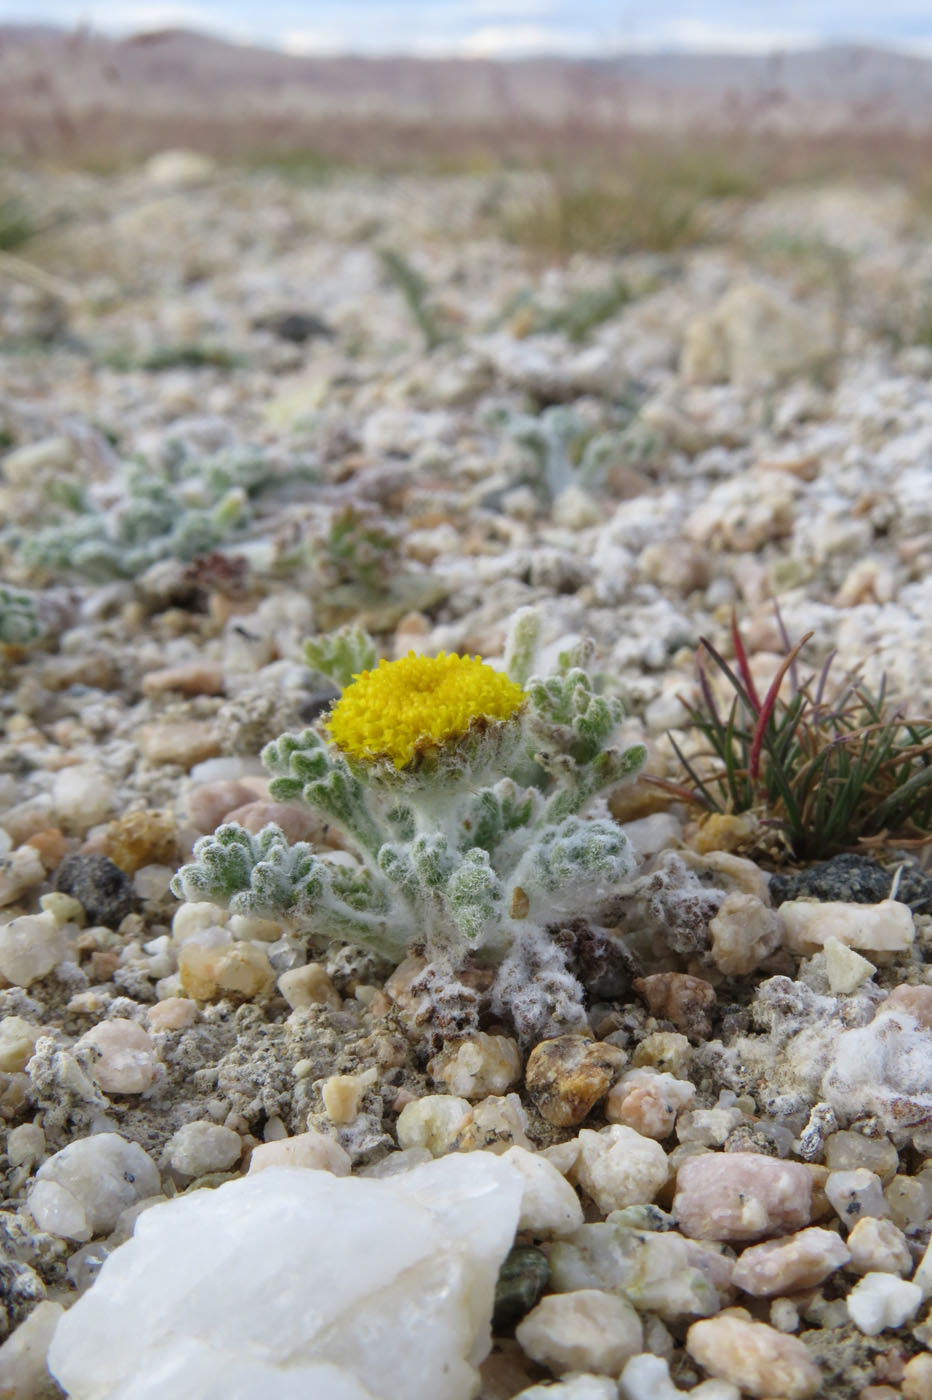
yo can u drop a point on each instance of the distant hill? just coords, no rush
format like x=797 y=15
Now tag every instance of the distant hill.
x=79 y=92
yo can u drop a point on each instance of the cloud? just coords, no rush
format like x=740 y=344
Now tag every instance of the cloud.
x=516 y=40
x=703 y=36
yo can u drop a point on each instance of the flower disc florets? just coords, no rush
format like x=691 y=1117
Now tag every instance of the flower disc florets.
x=403 y=708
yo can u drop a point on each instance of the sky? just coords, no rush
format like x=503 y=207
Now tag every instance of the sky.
x=506 y=28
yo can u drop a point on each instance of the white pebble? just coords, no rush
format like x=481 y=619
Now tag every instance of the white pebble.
x=432 y=1122
x=845 y=968
x=20 y=872
x=17 y=1041
x=879 y=1247
x=23 y=1371
x=880 y=1301
x=25 y=1145
x=886 y=927
x=584 y=1331
x=618 y=1167
x=856 y=1193
x=573 y=1388
x=310 y=1149
x=120 y=1055
x=190 y=919
x=647 y=1377
x=201 y=1147
x=31 y=946
x=92 y=1180
x=549 y=1205
x=82 y=797
x=479 y=1065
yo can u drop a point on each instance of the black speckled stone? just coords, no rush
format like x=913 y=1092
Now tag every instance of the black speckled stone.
x=855 y=879
x=521 y=1280
x=101 y=887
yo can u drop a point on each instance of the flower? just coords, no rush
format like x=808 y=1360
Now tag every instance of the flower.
x=404 y=707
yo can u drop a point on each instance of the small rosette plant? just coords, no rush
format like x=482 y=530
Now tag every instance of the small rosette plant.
x=462 y=790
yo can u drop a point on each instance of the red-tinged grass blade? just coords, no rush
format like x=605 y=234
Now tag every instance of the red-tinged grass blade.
x=741 y=657
x=766 y=710
x=794 y=674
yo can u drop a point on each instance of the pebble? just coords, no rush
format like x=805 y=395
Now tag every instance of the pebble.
x=23 y=1370
x=587 y=1331
x=20 y=872
x=845 y=969
x=647 y=1377
x=745 y=932
x=549 y=1205
x=139 y=839
x=678 y=997
x=80 y=1191
x=193 y=678
x=886 y=927
x=240 y=970
x=917 y=1378
x=709 y=1127
x=566 y=1077
x=342 y=1094
x=478 y=1065
x=191 y=919
x=120 y=1056
x=753 y=1356
x=103 y=890
x=617 y=1167
x=25 y=1144
x=209 y=803
x=910 y=1202
x=51 y=844
x=297 y=821
x=311 y=1149
x=846 y=1150
x=432 y=1122
x=648 y=1101
x=17 y=1041
x=878 y=1246
x=573 y=1388
x=916 y=1001
x=309 y=986
x=183 y=742
x=741 y=1196
x=882 y=1301
x=521 y=1280
x=82 y=796
x=31 y=946
x=855 y=1194
x=494 y=1124
x=201 y=1147
x=799 y=1261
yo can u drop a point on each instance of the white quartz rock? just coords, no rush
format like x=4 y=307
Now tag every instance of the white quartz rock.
x=294 y=1283
x=886 y=927
x=549 y=1205
x=80 y=1191
x=23 y=1373
x=880 y=1301
x=31 y=946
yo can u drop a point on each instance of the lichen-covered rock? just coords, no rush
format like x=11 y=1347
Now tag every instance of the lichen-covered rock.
x=104 y=891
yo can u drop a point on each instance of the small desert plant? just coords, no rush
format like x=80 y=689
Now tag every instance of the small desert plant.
x=826 y=767
x=20 y=624
x=463 y=792
x=417 y=296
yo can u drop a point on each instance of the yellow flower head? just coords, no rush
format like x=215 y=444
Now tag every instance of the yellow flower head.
x=404 y=707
